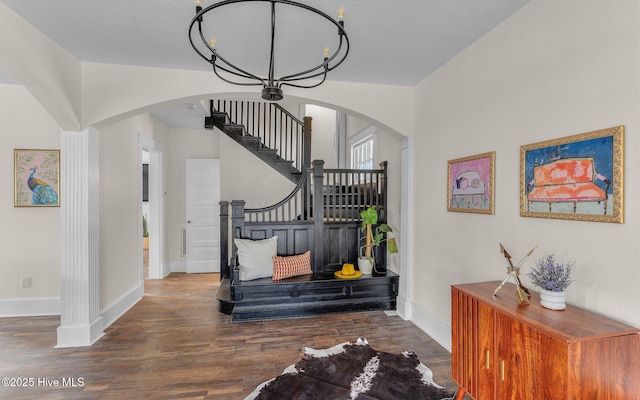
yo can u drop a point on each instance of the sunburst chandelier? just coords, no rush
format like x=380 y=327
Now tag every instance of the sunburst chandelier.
x=272 y=85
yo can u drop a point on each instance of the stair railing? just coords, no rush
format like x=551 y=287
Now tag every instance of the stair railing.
x=346 y=192
x=339 y=194
x=276 y=127
x=297 y=206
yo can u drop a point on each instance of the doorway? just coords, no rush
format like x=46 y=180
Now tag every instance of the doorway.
x=145 y=213
x=152 y=210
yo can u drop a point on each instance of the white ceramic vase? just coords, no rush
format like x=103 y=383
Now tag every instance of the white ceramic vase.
x=365 y=266
x=553 y=300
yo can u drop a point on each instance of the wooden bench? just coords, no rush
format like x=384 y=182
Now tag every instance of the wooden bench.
x=333 y=238
x=312 y=294
x=567 y=180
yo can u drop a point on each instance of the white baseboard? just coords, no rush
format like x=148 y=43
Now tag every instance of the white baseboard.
x=80 y=335
x=178 y=266
x=30 y=307
x=403 y=308
x=117 y=309
x=432 y=326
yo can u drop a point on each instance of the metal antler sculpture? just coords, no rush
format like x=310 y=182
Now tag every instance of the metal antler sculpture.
x=514 y=272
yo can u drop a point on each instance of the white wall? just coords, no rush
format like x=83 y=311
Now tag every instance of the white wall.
x=50 y=72
x=323 y=134
x=29 y=236
x=119 y=220
x=246 y=177
x=551 y=70
x=388 y=148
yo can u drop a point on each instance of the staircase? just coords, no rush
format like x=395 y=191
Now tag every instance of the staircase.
x=320 y=215
x=268 y=131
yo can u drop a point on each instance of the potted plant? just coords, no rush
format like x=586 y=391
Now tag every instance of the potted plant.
x=145 y=234
x=552 y=278
x=366 y=261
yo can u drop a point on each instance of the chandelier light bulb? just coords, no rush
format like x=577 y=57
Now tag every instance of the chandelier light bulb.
x=212 y=43
x=326 y=52
x=340 y=13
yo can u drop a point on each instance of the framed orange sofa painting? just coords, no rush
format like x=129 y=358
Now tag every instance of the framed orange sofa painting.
x=470 y=184
x=578 y=177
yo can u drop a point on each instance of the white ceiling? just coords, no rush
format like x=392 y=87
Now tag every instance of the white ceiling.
x=392 y=42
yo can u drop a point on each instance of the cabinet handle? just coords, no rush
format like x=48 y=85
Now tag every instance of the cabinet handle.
x=501 y=369
x=486 y=359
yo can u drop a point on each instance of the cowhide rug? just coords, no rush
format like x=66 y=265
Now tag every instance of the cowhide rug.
x=353 y=371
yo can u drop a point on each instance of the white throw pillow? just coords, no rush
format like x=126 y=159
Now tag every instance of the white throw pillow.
x=255 y=257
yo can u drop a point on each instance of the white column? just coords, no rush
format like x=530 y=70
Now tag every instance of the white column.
x=81 y=323
x=406 y=229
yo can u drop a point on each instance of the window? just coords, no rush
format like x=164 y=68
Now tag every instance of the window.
x=362 y=154
x=363 y=149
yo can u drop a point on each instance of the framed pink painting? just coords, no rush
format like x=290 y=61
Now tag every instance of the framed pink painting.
x=470 y=184
x=37 y=178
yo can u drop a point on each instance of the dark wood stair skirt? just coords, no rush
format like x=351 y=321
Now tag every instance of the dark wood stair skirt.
x=223 y=295
x=309 y=295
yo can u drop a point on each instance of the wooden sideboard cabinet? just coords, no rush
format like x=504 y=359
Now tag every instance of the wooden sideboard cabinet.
x=504 y=350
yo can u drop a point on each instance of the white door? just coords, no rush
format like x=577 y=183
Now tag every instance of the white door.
x=203 y=215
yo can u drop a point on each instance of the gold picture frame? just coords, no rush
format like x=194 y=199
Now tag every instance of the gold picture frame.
x=577 y=177
x=470 y=184
x=36 y=178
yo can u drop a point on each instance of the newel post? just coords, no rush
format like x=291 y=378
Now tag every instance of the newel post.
x=224 y=239
x=306 y=143
x=237 y=228
x=318 y=214
x=383 y=191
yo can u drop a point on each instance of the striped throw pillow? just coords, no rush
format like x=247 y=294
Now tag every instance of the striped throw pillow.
x=286 y=267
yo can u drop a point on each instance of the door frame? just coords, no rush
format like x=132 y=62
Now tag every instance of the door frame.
x=156 y=208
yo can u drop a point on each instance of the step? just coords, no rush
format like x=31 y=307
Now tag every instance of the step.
x=268 y=154
x=234 y=129
x=309 y=295
x=262 y=313
x=250 y=141
x=220 y=119
x=280 y=161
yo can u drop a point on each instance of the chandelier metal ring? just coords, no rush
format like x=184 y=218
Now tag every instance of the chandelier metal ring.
x=272 y=86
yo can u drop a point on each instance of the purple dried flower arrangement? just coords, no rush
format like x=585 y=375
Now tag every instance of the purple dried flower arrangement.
x=549 y=275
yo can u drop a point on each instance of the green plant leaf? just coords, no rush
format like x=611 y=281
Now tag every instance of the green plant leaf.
x=392 y=246
x=369 y=216
x=384 y=228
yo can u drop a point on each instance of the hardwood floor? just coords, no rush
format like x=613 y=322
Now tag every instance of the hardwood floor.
x=175 y=344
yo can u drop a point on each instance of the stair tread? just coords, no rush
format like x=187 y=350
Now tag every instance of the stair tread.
x=295 y=303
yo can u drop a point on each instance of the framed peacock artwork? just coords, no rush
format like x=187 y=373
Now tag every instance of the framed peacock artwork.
x=37 y=178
